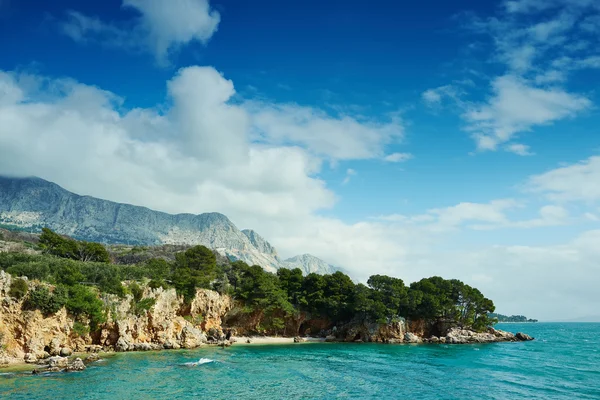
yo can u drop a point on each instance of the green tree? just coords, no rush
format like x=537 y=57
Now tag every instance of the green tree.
x=53 y=243
x=291 y=282
x=90 y=251
x=83 y=302
x=389 y=295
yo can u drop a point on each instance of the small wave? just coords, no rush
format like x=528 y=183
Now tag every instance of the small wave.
x=199 y=362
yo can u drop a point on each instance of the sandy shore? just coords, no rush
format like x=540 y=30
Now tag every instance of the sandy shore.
x=273 y=340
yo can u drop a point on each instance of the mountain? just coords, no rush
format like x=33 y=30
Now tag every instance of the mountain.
x=33 y=203
x=308 y=263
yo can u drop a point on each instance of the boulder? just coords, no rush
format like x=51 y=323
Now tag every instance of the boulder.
x=434 y=339
x=523 y=337
x=57 y=362
x=411 y=338
x=30 y=358
x=330 y=338
x=192 y=337
x=123 y=345
x=76 y=365
x=299 y=339
x=66 y=352
x=54 y=347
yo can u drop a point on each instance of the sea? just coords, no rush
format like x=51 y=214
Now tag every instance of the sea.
x=563 y=362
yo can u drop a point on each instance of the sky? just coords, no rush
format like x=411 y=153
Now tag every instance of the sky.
x=413 y=139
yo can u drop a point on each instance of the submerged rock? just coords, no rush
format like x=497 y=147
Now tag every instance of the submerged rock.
x=92 y=358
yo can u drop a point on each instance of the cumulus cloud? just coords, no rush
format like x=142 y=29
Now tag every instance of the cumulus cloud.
x=161 y=28
x=195 y=157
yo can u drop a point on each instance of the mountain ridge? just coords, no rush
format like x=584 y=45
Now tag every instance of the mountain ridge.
x=32 y=203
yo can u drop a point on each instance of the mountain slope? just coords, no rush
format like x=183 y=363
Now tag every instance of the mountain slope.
x=33 y=203
x=308 y=264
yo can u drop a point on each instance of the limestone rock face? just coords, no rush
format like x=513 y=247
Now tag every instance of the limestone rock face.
x=373 y=332
x=170 y=323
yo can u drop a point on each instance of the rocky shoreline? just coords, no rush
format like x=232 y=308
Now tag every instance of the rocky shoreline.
x=57 y=342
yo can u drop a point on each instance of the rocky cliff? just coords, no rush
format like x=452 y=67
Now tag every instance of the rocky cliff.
x=33 y=203
x=170 y=323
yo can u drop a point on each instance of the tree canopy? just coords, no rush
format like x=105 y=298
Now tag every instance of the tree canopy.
x=81 y=271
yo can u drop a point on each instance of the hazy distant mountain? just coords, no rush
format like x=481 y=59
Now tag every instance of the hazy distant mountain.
x=308 y=263
x=33 y=203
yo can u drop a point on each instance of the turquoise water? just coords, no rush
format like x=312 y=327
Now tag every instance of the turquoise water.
x=562 y=363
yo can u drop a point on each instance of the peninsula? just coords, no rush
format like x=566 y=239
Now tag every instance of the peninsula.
x=59 y=296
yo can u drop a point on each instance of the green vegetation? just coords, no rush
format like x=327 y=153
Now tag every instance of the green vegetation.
x=80 y=329
x=48 y=303
x=81 y=272
x=18 y=289
x=512 y=318
x=53 y=243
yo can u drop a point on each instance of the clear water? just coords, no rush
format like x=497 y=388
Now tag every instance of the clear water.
x=562 y=363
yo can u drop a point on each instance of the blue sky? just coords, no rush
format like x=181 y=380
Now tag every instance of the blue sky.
x=450 y=138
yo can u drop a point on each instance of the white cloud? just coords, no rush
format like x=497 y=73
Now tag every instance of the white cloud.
x=455 y=216
x=518 y=106
x=577 y=182
x=519 y=148
x=398 y=157
x=339 y=138
x=537 y=44
x=162 y=27
x=434 y=97
x=195 y=157
x=349 y=174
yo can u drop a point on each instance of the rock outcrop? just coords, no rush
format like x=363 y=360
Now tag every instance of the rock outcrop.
x=171 y=323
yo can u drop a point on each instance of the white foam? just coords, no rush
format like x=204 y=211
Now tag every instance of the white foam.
x=199 y=362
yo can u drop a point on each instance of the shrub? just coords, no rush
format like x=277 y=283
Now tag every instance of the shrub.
x=18 y=288
x=48 y=303
x=136 y=291
x=80 y=329
x=142 y=306
x=156 y=283
x=197 y=320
